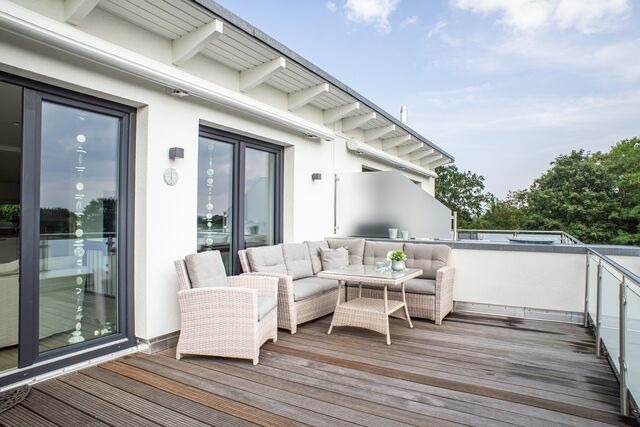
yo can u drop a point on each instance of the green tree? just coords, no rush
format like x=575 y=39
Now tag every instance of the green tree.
x=508 y=214
x=623 y=163
x=577 y=195
x=462 y=192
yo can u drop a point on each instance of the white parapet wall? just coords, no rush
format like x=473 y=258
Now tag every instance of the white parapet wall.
x=548 y=285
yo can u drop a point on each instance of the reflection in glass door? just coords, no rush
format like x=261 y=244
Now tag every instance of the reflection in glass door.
x=10 y=174
x=259 y=198
x=215 y=192
x=78 y=225
x=239 y=203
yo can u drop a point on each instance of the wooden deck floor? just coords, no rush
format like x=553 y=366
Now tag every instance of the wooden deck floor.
x=472 y=370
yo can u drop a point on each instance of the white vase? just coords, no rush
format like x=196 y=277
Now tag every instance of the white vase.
x=398 y=265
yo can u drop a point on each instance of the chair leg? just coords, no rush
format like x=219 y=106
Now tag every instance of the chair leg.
x=255 y=360
x=178 y=355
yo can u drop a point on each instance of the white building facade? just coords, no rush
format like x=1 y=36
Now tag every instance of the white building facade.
x=95 y=94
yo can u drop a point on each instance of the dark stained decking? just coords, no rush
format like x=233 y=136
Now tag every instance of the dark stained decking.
x=473 y=370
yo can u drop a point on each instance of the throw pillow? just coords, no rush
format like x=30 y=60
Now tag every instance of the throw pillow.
x=334 y=258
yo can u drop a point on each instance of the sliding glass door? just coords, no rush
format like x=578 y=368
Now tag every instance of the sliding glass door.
x=239 y=194
x=65 y=228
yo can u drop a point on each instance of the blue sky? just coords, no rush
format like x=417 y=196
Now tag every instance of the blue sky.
x=503 y=85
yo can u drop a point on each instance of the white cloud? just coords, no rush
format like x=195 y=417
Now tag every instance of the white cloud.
x=586 y=16
x=372 y=12
x=437 y=28
x=410 y=20
x=332 y=6
x=511 y=139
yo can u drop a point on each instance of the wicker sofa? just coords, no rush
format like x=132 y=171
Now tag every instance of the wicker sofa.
x=303 y=297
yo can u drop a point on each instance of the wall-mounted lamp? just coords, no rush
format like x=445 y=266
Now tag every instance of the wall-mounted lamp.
x=316 y=176
x=176 y=153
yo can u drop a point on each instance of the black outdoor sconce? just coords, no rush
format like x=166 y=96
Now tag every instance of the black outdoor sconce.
x=176 y=153
x=316 y=176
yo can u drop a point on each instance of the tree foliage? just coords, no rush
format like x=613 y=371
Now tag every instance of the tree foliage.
x=462 y=192
x=593 y=196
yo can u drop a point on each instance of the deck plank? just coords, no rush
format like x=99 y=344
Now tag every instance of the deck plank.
x=472 y=370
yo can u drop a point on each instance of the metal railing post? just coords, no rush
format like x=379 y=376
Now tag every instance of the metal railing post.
x=624 y=394
x=586 y=293
x=599 y=309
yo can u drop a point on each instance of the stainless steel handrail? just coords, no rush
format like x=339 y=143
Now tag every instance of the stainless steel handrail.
x=564 y=236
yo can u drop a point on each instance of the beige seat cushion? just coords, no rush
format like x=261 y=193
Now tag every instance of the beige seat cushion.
x=354 y=246
x=419 y=286
x=297 y=260
x=314 y=253
x=267 y=259
x=312 y=286
x=377 y=251
x=265 y=306
x=411 y=286
x=428 y=257
x=206 y=269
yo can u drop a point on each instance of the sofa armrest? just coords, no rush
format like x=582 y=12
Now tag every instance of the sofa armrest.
x=287 y=314
x=265 y=285
x=218 y=305
x=444 y=292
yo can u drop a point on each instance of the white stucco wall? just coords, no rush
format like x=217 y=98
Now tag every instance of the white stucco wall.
x=165 y=219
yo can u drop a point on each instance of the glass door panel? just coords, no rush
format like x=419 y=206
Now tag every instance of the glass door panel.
x=10 y=177
x=215 y=197
x=259 y=198
x=78 y=279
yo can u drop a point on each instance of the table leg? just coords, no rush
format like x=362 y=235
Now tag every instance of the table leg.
x=406 y=308
x=341 y=284
x=386 y=315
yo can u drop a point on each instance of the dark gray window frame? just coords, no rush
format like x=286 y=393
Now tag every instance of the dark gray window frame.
x=240 y=143
x=33 y=94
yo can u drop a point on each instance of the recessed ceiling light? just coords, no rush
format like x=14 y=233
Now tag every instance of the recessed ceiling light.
x=16 y=123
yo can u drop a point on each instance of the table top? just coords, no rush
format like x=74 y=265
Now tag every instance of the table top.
x=370 y=273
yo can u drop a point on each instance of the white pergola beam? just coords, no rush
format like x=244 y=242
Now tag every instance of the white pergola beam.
x=334 y=114
x=303 y=97
x=351 y=123
x=375 y=133
x=189 y=45
x=261 y=73
x=394 y=142
x=434 y=164
x=410 y=148
x=430 y=158
x=76 y=10
x=419 y=155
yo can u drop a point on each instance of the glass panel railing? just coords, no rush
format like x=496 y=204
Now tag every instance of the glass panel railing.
x=632 y=341
x=592 y=283
x=610 y=314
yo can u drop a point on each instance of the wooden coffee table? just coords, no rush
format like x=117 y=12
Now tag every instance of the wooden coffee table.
x=369 y=313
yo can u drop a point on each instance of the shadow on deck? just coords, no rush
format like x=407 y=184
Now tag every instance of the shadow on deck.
x=473 y=370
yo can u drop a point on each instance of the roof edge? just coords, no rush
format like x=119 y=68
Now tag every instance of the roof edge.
x=243 y=25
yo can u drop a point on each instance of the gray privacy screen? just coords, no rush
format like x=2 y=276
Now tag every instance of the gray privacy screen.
x=369 y=203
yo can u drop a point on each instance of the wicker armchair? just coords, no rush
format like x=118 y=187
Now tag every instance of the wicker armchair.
x=224 y=316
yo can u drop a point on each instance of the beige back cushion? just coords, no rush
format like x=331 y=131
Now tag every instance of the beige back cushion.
x=297 y=260
x=206 y=269
x=428 y=257
x=314 y=253
x=267 y=259
x=332 y=259
x=377 y=251
x=354 y=246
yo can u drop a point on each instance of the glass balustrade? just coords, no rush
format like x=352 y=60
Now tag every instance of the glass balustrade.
x=632 y=340
x=610 y=313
